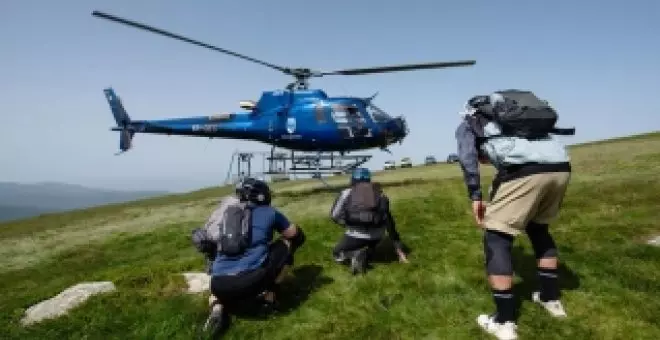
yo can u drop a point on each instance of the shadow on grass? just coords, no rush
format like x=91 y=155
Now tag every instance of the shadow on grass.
x=293 y=292
x=385 y=252
x=525 y=267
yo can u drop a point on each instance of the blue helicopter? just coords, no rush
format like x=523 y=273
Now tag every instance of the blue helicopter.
x=295 y=118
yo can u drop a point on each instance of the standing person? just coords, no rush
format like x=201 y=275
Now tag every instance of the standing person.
x=514 y=131
x=248 y=265
x=364 y=210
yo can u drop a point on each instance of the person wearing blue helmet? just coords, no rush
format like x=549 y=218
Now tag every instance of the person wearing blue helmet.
x=364 y=211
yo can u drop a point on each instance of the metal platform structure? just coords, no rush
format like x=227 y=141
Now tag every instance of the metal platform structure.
x=283 y=165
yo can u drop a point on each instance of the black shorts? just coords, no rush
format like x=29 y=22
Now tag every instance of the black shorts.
x=236 y=288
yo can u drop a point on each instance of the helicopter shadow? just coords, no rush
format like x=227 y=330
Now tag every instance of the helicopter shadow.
x=526 y=268
x=294 y=290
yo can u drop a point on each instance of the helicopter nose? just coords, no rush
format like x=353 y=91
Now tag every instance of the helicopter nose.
x=399 y=128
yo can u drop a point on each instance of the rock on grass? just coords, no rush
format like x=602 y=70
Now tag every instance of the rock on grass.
x=68 y=299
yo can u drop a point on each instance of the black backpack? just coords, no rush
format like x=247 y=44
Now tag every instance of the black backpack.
x=521 y=114
x=363 y=206
x=235 y=229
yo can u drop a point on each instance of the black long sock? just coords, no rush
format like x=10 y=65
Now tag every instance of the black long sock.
x=549 y=284
x=506 y=305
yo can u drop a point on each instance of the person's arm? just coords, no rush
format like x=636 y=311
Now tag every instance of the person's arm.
x=337 y=210
x=291 y=233
x=468 y=158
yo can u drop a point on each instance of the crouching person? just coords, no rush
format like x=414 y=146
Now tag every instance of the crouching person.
x=248 y=265
x=364 y=211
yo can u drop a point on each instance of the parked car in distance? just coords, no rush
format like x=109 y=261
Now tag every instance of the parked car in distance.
x=406 y=162
x=452 y=158
x=389 y=165
x=430 y=160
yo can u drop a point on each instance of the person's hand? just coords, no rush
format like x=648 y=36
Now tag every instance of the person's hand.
x=402 y=256
x=398 y=246
x=478 y=209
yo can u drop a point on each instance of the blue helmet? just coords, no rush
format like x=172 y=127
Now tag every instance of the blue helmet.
x=361 y=175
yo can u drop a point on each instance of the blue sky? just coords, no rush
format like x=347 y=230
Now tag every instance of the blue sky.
x=597 y=62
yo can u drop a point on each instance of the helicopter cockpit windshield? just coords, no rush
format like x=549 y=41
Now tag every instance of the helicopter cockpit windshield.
x=378 y=115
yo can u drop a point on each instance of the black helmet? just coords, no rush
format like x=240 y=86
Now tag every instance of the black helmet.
x=255 y=191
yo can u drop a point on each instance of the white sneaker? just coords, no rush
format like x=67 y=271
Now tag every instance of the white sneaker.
x=554 y=307
x=505 y=331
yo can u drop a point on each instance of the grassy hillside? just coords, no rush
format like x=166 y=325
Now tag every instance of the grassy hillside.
x=609 y=276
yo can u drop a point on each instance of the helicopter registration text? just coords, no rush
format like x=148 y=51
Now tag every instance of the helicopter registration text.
x=205 y=127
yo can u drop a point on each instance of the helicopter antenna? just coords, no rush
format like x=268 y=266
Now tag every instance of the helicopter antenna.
x=301 y=75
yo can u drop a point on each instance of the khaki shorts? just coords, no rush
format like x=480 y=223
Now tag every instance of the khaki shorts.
x=535 y=198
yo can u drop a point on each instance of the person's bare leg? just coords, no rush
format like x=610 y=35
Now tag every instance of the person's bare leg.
x=500 y=282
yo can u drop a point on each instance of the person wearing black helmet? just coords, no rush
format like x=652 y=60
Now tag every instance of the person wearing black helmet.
x=248 y=265
x=364 y=211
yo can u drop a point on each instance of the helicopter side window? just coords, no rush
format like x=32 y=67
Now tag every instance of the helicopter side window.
x=345 y=115
x=339 y=114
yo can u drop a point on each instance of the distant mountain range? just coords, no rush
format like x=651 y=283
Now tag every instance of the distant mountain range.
x=19 y=200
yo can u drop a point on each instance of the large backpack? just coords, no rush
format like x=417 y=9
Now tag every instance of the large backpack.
x=520 y=114
x=363 y=205
x=235 y=230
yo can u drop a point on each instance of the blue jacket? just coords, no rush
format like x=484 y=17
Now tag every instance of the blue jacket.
x=506 y=153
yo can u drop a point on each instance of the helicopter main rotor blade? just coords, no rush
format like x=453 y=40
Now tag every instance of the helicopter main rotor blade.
x=179 y=37
x=396 y=68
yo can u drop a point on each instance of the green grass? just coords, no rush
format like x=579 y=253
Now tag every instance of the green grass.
x=610 y=277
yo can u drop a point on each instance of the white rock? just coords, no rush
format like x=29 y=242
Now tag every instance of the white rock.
x=65 y=301
x=198 y=282
x=655 y=241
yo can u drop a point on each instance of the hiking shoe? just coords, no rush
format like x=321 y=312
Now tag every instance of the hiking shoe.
x=359 y=262
x=218 y=321
x=503 y=331
x=555 y=308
